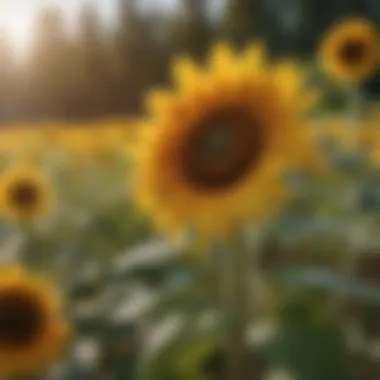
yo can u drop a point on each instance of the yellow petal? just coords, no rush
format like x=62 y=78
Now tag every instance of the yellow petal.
x=289 y=78
x=158 y=100
x=184 y=74
x=221 y=58
x=254 y=56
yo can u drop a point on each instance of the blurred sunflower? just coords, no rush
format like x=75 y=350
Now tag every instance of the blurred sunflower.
x=25 y=194
x=77 y=164
x=213 y=152
x=75 y=140
x=51 y=134
x=371 y=141
x=349 y=51
x=334 y=127
x=101 y=150
x=32 y=331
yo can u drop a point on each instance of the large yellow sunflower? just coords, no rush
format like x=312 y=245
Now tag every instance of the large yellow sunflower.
x=32 y=329
x=25 y=194
x=213 y=152
x=349 y=51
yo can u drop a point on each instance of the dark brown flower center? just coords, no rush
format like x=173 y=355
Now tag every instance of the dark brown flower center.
x=353 y=52
x=20 y=318
x=24 y=194
x=221 y=148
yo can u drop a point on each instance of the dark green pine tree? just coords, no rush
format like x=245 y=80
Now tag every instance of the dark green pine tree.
x=243 y=20
x=192 y=31
x=287 y=26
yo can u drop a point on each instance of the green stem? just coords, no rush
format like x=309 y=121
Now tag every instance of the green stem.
x=354 y=107
x=238 y=307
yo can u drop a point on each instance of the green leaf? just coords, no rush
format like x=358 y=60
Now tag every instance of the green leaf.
x=121 y=350
x=326 y=280
x=115 y=332
x=185 y=358
x=72 y=372
x=85 y=326
x=311 y=348
x=85 y=289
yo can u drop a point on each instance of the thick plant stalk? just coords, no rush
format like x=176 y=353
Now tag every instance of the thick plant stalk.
x=238 y=311
x=354 y=105
x=354 y=111
x=354 y=235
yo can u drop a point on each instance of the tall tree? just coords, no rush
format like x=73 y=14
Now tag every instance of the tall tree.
x=242 y=20
x=192 y=31
x=49 y=72
x=287 y=26
x=7 y=79
x=93 y=67
x=135 y=47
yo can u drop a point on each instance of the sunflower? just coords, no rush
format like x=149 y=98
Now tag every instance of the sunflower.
x=213 y=152
x=25 y=194
x=371 y=141
x=101 y=150
x=51 y=134
x=334 y=128
x=349 y=52
x=32 y=329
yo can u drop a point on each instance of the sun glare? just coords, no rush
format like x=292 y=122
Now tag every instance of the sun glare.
x=17 y=17
x=16 y=21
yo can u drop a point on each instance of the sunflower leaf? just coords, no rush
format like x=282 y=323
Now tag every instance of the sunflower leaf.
x=327 y=280
x=309 y=347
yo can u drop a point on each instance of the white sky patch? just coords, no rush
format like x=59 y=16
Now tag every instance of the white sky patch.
x=18 y=17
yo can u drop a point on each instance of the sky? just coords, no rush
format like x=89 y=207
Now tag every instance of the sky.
x=17 y=16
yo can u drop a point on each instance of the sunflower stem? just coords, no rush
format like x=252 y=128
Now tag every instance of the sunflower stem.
x=355 y=111
x=238 y=309
x=354 y=107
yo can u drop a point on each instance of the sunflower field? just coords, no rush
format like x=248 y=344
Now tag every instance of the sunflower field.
x=229 y=231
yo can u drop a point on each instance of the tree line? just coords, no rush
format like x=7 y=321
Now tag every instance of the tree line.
x=104 y=70
x=100 y=69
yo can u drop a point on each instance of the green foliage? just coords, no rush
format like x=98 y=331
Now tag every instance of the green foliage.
x=241 y=20
x=192 y=32
x=310 y=347
x=185 y=357
x=328 y=281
